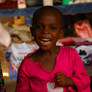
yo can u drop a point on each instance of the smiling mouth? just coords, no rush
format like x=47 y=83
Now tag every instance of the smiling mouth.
x=45 y=41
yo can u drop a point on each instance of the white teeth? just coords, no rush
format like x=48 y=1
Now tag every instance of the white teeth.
x=45 y=39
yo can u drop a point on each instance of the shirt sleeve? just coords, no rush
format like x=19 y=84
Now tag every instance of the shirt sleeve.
x=22 y=84
x=79 y=76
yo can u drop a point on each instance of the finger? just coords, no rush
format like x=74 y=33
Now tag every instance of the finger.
x=60 y=77
x=59 y=73
x=60 y=82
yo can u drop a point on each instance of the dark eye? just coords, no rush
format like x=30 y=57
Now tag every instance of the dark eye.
x=52 y=27
x=41 y=27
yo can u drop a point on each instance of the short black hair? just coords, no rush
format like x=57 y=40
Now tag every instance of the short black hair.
x=44 y=9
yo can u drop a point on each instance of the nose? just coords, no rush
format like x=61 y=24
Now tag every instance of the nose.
x=46 y=30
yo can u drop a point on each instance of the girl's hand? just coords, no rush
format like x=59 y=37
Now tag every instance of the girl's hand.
x=63 y=81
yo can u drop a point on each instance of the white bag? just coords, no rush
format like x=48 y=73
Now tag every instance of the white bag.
x=5 y=38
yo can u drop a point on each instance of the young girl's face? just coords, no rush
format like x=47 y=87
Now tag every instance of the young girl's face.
x=47 y=30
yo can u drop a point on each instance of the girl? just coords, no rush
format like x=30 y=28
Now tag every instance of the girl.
x=51 y=68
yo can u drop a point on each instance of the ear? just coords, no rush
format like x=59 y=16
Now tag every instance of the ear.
x=61 y=34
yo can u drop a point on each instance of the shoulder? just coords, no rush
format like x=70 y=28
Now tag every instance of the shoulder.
x=67 y=49
x=29 y=59
x=26 y=61
x=68 y=52
x=30 y=55
x=27 y=66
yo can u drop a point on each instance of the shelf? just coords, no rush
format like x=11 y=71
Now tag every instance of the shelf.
x=76 y=8
x=66 y=9
x=17 y=12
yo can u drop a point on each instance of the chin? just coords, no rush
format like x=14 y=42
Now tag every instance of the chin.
x=45 y=48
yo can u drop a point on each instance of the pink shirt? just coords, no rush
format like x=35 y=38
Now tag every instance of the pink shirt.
x=33 y=78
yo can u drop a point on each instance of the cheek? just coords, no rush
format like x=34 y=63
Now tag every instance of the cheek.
x=37 y=36
x=55 y=36
x=61 y=35
x=37 y=33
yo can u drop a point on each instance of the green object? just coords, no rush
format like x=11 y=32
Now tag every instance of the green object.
x=65 y=2
x=0 y=66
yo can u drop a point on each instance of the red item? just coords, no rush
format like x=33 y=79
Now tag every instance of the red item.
x=21 y=2
x=83 y=29
x=8 y=4
x=67 y=41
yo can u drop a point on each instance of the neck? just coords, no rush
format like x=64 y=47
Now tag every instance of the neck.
x=51 y=51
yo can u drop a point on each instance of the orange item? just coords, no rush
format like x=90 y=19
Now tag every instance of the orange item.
x=19 y=20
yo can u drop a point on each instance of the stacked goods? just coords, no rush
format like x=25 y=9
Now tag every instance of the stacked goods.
x=6 y=4
x=79 y=1
x=18 y=52
x=66 y=2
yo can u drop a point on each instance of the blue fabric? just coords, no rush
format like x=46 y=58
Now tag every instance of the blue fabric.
x=76 y=8
x=17 y=12
x=66 y=9
x=13 y=74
